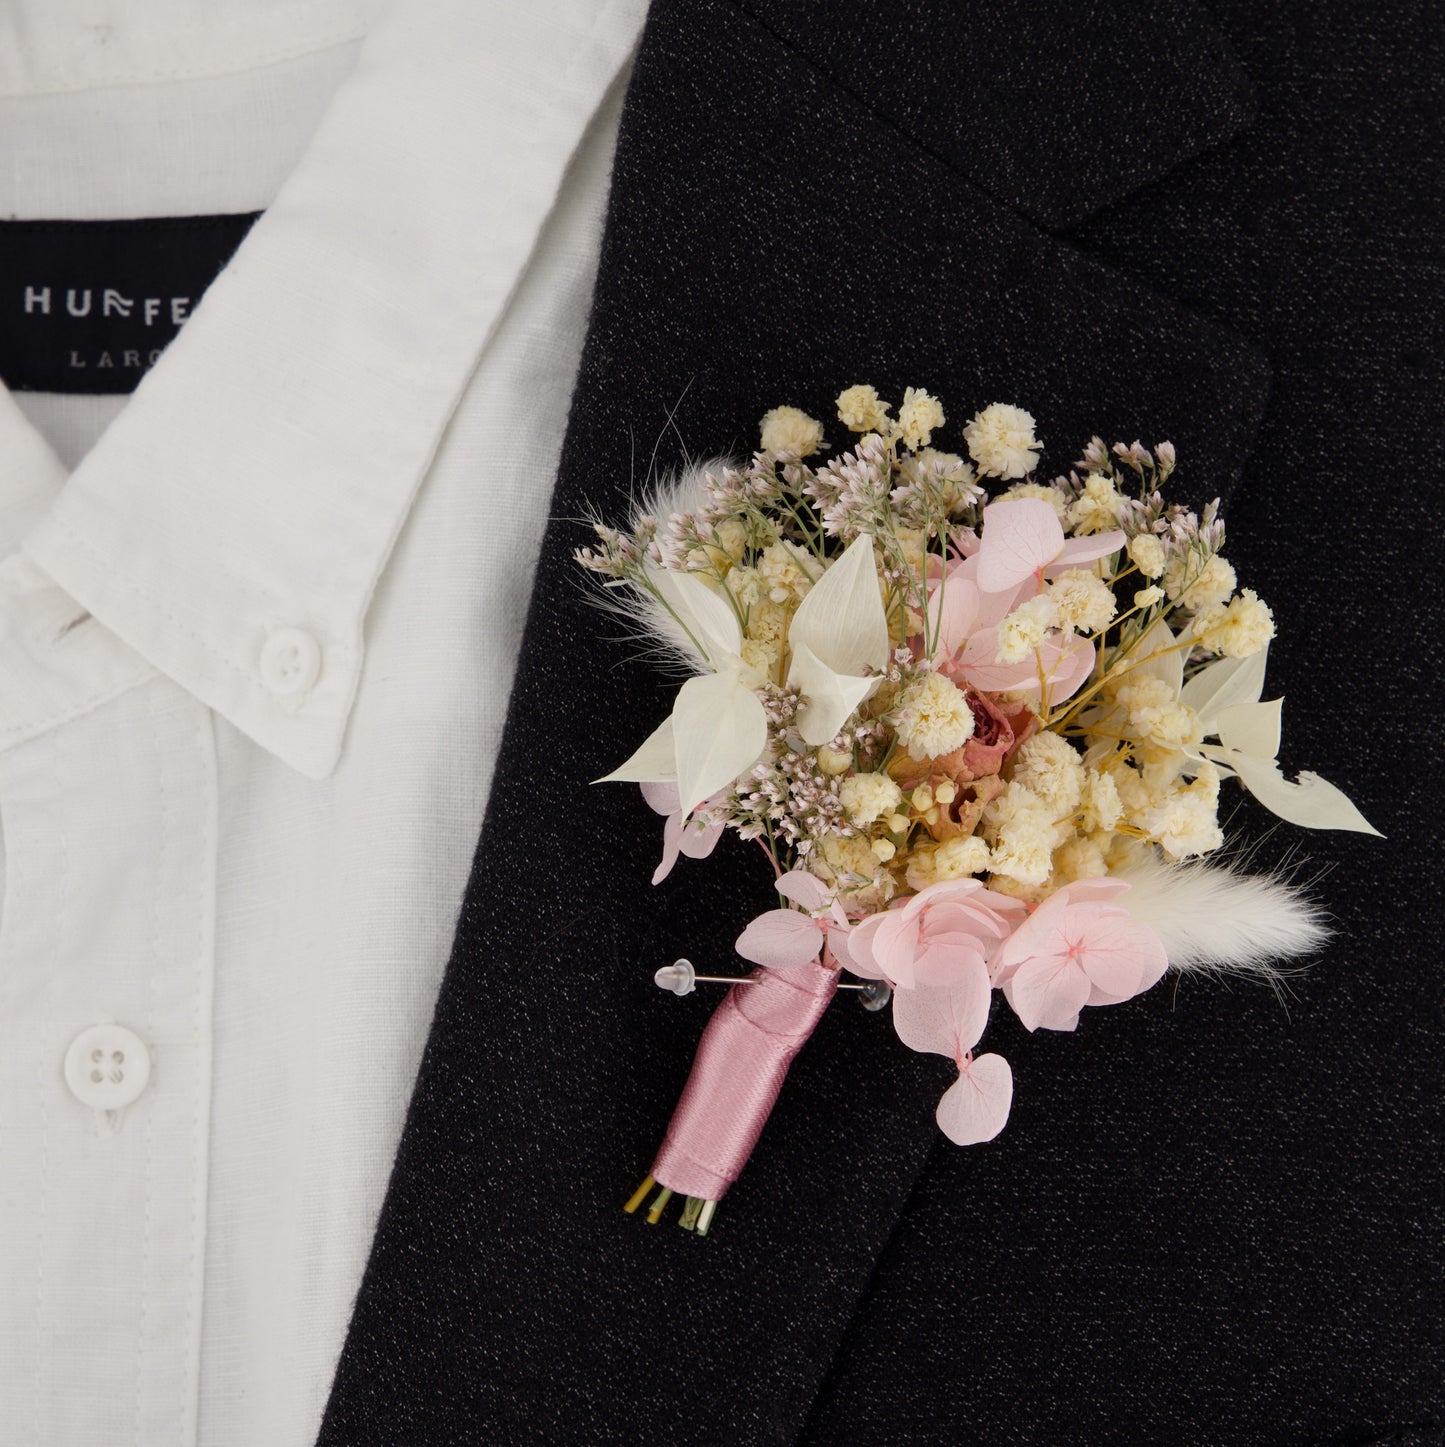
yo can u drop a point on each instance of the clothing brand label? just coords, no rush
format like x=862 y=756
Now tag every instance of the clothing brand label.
x=88 y=306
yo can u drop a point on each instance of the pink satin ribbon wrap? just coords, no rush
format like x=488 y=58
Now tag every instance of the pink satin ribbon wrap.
x=741 y=1062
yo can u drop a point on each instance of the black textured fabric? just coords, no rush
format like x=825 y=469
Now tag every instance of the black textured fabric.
x=89 y=306
x=1210 y=1219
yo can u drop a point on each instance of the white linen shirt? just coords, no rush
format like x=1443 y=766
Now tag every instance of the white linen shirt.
x=255 y=655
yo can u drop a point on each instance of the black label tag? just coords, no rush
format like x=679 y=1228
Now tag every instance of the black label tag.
x=88 y=306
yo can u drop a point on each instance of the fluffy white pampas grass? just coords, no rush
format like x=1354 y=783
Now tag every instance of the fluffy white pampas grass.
x=1217 y=919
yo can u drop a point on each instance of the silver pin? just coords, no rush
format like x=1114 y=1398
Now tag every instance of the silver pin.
x=682 y=979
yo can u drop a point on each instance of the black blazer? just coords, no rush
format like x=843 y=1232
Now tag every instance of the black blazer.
x=1211 y=1218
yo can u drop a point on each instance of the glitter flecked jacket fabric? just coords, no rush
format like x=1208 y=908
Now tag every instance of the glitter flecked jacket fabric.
x=1211 y=1219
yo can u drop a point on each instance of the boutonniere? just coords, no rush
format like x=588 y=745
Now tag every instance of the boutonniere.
x=980 y=742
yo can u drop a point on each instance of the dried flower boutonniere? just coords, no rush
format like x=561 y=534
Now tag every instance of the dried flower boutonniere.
x=981 y=743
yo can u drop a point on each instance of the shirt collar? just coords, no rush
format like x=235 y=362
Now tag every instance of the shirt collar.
x=231 y=524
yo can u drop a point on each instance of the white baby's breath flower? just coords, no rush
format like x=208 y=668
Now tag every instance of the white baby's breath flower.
x=834 y=761
x=1213 y=584
x=1014 y=799
x=1147 y=553
x=1049 y=767
x=1185 y=822
x=1103 y=807
x=918 y=415
x=767 y=620
x=932 y=717
x=1044 y=492
x=955 y=858
x=1156 y=715
x=787 y=431
x=785 y=571
x=1147 y=597
x=860 y=409
x=762 y=660
x=1096 y=509
x=1129 y=785
x=1079 y=859
x=1026 y=628
x=1024 y=833
x=1084 y=601
x=1237 y=630
x=851 y=867
x=731 y=537
x=1001 y=441
x=866 y=798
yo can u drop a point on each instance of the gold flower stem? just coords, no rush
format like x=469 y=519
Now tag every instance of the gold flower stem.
x=697 y=1213
x=1075 y=706
x=639 y=1196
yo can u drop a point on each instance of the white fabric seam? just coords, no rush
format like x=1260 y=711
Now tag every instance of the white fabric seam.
x=202 y=1027
x=164 y=797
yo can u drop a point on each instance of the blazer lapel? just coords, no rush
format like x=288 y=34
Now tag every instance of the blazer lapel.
x=771 y=238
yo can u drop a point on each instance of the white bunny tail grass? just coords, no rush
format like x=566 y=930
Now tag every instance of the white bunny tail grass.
x=1217 y=919
x=683 y=491
x=662 y=640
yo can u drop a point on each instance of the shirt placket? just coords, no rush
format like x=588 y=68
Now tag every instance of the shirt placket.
x=106 y=955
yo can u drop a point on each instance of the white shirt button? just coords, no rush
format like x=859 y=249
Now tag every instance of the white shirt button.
x=107 y=1066
x=290 y=661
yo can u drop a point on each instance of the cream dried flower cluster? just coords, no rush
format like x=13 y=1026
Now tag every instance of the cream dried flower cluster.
x=1026 y=728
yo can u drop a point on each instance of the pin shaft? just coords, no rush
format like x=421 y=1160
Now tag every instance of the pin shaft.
x=748 y=980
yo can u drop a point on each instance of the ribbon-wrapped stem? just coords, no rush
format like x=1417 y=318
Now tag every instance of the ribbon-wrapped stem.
x=741 y=1062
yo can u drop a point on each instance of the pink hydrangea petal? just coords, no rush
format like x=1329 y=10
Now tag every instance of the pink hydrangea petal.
x=1009 y=911
x=952 y=613
x=838 y=937
x=1155 y=969
x=781 y=939
x=993 y=608
x=803 y=889
x=671 y=847
x=976 y=1106
x=860 y=947
x=1020 y=538
x=988 y=922
x=1047 y=991
x=695 y=840
x=946 y=959
x=944 y=1021
x=895 y=946
x=1036 y=934
x=931 y=937
x=950 y=918
x=923 y=1018
x=1067 y=665
x=662 y=798
x=947 y=891
x=1122 y=956
x=1091 y=891
x=699 y=840
x=1086 y=550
